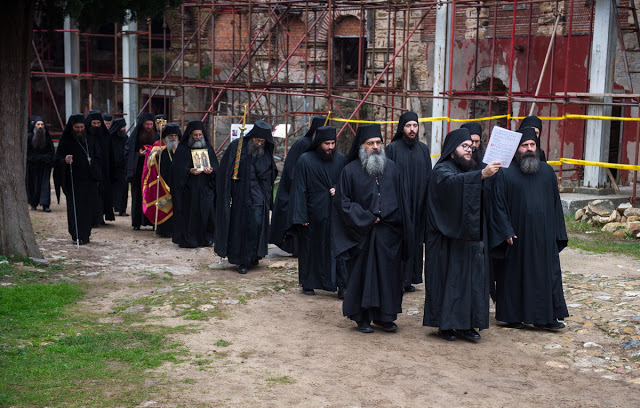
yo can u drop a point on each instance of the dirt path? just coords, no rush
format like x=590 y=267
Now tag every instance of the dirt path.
x=265 y=344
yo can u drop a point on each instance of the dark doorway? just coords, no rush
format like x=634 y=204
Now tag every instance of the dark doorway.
x=614 y=139
x=480 y=109
x=347 y=60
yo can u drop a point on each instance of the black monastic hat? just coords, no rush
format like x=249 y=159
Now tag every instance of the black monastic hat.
x=404 y=119
x=452 y=141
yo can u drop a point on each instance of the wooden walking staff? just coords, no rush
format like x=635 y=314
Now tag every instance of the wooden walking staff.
x=236 y=164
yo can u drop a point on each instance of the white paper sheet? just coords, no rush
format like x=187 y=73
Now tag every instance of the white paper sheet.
x=502 y=145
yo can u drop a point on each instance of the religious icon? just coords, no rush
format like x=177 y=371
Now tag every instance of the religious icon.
x=200 y=158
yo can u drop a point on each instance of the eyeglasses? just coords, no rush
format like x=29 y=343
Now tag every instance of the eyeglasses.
x=376 y=143
x=466 y=147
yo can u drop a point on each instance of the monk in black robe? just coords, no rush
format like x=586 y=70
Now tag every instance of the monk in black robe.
x=314 y=183
x=413 y=159
x=171 y=135
x=456 y=280
x=144 y=134
x=528 y=233
x=193 y=190
x=119 y=186
x=244 y=200
x=97 y=129
x=281 y=233
x=40 y=155
x=535 y=123
x=78 y=164
x=372 y=232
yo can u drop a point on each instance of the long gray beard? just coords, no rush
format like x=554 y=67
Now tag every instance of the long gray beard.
x=197 y=144
x=529 y=162
x=171 y=145
x=372 y=162
x=256 y=150
x=38 y=141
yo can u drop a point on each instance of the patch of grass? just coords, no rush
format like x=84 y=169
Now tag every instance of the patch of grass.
x=586 y=237
x=203 y=362
x=223 y=343
x=189 y=381
x=52 y=354
x=285 y=379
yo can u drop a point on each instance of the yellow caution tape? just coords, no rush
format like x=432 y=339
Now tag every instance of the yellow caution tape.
x=597 y=164
x=508 y=117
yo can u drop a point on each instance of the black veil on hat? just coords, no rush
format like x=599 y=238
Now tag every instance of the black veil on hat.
x=117 y=124
x=316 y=122
x=94 y=115
x=323 y=134
x=191 y=126
x=531 y=121
x=528 y=133
x=474 y=128
x=173 y=129
x=452 y=141
x=404 y=119
x=364 y=133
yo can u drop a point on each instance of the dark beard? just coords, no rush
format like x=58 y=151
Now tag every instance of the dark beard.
x=478 y=154
x=94 y=131
x=462 y=163
x=324 y=156
x=80 y=136
x=38 y=141
x=256 y=150
x=147 y=137
x=122 y=134
x=410 y=140
x=197 y=144
x=529 y=162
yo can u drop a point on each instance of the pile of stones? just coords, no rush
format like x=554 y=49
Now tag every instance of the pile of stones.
x=622 y=220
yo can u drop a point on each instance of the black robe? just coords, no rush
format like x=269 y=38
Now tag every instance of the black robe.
x=373 y=250
x=456 y=276
x=243 y=228
x=103 y=138
x=119 y=185
x=280 y=234
x=414 y=162
x=311 y=203
x=528 y=278
x=193 y=199
x=84 y=189
x=166 y=165
x=39 y=165
x=135 y=164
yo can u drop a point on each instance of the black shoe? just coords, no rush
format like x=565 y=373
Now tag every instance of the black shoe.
x=254 y=263
x=82 y=242
x=341 y=293
x=308 y=292
x=448 y=335
x=364 y=327
x=242 y=269
x=33 y=207
x=389 y=327
x=137 y=228
x=470 y=334
x=123 y=214
x=555 y=325
x=514 y=325
x=46 y=209
x=409 y=288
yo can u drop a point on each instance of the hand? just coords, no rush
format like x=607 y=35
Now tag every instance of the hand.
x=142 y=153
x=195 y=171
x=208 y=170
x=305 y=224
x=332 y=191
x=68 y=159
x=491 y=169
x=377 y=220
x=510 y=240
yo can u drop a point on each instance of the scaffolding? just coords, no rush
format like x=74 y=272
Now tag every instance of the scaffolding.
x=291 y=59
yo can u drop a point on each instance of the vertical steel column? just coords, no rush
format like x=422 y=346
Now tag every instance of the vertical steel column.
x=566 y=84
x=511 y=61
x=450 y=79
